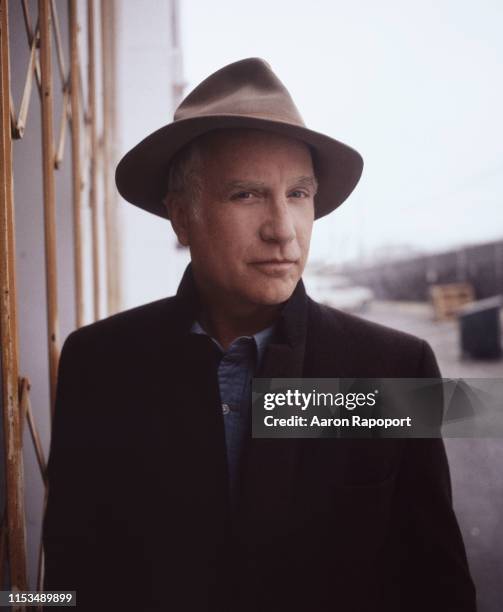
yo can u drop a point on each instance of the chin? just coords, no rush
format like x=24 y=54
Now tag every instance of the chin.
x=273 y=294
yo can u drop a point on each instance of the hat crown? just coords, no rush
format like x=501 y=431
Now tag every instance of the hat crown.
x=245 y=88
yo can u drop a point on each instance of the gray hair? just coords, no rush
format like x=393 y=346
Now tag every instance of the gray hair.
x=184 y=176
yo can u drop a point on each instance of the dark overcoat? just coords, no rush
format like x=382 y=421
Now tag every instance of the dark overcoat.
x=138 y=512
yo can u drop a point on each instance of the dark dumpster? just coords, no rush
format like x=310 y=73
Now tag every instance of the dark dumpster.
x=480 y=328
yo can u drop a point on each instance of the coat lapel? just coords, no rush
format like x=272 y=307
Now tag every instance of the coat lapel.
x=270 y=465
x=185 y=438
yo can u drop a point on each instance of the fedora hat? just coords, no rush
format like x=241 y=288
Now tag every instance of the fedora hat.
x=244 y=94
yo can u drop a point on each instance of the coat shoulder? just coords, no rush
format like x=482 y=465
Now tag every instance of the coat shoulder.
x=357 y=327
x=369 y=348
x=129 y=327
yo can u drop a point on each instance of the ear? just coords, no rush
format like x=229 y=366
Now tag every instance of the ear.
x=179 y=217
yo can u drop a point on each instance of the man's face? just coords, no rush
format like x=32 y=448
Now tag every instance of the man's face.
x=249 y=234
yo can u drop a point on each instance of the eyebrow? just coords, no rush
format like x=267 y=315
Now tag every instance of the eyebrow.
x=301 y=181
x=244 y=185
x=307 y=181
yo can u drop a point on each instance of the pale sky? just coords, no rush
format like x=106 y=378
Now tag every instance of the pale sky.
x=415 y=86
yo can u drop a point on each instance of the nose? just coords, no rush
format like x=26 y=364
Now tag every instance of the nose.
x=278 y=226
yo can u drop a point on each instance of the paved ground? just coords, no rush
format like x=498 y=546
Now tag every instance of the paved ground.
x=476 y=464
x=443 y=336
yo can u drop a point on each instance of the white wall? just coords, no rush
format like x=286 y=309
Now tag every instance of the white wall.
x=147 y=67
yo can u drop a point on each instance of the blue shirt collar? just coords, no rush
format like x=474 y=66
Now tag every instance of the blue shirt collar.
x=261 y=339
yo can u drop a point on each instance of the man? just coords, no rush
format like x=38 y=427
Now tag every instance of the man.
x=159 y=497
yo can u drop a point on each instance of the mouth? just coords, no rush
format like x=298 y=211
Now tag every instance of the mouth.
x=274 y=267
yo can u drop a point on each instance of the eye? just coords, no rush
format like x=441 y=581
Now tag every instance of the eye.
x=298 y=193
x=242 y=195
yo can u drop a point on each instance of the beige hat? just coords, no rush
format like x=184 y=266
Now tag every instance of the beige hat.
x=245 y=94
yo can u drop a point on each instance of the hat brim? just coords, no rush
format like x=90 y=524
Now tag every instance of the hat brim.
x=141 y=175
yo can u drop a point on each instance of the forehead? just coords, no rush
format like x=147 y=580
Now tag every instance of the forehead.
x=251 y=150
